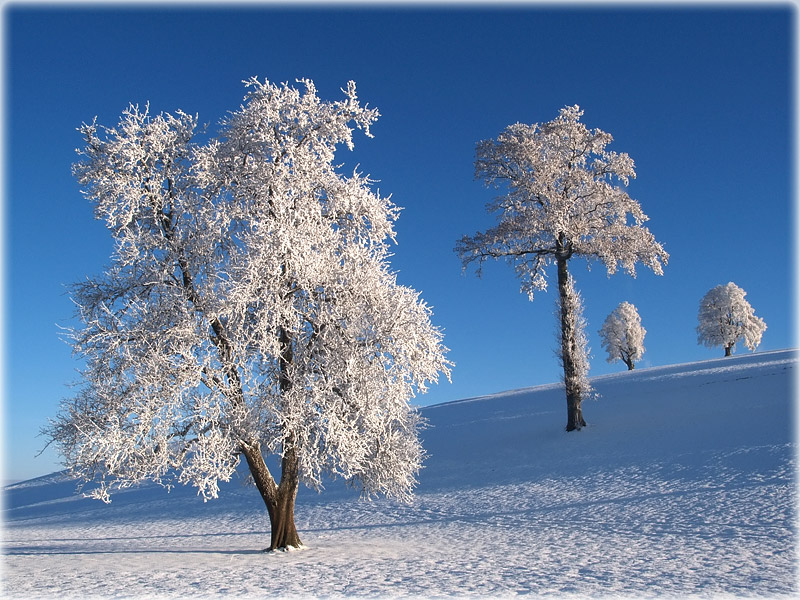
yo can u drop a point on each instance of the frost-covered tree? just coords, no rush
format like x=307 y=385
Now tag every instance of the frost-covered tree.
x=725 y=318
x=622 y=335
x=562 y=199
x=248 y=310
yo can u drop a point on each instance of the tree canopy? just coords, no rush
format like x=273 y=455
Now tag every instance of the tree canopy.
x=622 y=335
x=561 y=195
x=726 y=318
x=249 y=305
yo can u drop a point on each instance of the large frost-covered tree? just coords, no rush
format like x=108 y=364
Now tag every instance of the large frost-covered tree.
x=248 y=310
x=622 y=335
x=564 y=197
x=725 y=318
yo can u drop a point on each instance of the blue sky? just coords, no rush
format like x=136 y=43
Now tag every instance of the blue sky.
x=702 y=99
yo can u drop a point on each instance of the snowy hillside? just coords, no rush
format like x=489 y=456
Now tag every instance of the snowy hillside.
x=682 y=484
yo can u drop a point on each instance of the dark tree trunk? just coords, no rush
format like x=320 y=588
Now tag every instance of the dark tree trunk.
x=574 y=412
x=728 y=350
x=626 y=358
x=279 y=499
x=283 y=533
x=568 y=345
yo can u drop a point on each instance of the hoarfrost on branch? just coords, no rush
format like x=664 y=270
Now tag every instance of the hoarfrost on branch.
x=622 y=335
x=725 y=318
x=577 y=381
x=248 y=306
x=563 y=196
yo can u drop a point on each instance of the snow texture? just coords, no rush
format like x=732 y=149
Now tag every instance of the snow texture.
x=683 y=485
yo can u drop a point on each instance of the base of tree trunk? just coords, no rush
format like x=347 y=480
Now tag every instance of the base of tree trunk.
x=279 y=499
x=283 y=533
x=284 y=549
x=575 y=427
x=575 y=419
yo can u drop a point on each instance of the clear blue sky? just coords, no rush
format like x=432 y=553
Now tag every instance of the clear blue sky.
x=703 y=100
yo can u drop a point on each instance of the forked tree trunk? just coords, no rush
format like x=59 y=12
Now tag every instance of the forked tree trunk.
x=628 y=362
x=568 y=346
x=279 y=499
x=283 y=533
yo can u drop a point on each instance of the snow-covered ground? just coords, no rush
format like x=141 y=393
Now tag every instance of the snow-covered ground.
x=682 y=485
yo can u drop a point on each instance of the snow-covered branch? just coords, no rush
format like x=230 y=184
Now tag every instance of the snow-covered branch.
x=725 y=318
x=249 y=304
x=622 y=335
x=560 y=183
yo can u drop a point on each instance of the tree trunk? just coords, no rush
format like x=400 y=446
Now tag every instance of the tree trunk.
x=728 y=350
x=626 y=358
x=568 y=345
x=283 y=533
x=279 y=499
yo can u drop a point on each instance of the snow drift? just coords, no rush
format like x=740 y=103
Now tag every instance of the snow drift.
x=683 y=484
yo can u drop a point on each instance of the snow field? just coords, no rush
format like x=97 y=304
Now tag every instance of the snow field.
x=683 y=485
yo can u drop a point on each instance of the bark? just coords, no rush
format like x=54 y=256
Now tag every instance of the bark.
x=571 y=380
x=283 y=533
x=629 y=363
x=574 y=412
x=279 y=499
x=728 y=350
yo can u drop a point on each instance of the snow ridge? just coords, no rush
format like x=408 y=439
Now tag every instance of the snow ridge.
x=683 y=484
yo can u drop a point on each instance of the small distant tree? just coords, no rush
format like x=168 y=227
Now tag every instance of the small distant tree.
x=622 y=335
x=248 y=310
x=563 y=198
x=725 y=318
